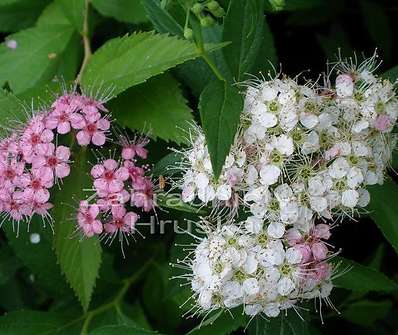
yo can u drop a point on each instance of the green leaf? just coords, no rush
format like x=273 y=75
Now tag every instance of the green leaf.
x=161 y=19
x=36 y=58
x=79 y=259
x=39 y=257
x=74 y=11
x=9 y=264
x=173 y=201
x=159 y=107
x=220 y=107
x=243 y=26
x=292 y=5
x=10 y=109
x=117 y=330
x=19 y=14
x=357 y=277
x=131 y=60
x=129 y=11
x=36 y=323
x=391 y=74
x=222 y=324
x=366 y=312
x=383 y=210
x=290 y=324
x=167 y=166
x=53 y=14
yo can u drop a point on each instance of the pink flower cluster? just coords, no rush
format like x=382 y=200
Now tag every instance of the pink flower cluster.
x=314 y=251
x=121 y=189
x=31 y=162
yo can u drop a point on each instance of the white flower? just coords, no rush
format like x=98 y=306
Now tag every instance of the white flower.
x=284 y=144
x=223 y=192
x=339 y=168
x=269 y=174
x=250 y=286
x=350 y=198
x=344 y=85
x=276 y=229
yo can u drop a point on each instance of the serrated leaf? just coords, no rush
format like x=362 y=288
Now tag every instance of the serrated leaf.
x=243 y=26
x=220 y=107
x=19 y=14
x=383 y=210
x=161 y=18
x=129 y=11
x=357 y=277
x=131 y=60
x=80 y=260
x=117 y=330
x=10 y=108
x=159 y=107
x=36 y=58
x=74 y=11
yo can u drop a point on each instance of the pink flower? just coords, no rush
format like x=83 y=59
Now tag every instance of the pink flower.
x=36 y=185
x=142 y=195
x=112 y=199
x=383 y=123
x=15 y=204
x=136 y=173
x=293 y=236
x=121 y=220
x=89 y=106
x=305 y=251
x=87 y=219
x=322 y=231
x=319 y=251
x=35 y=139
x=9 y=146
x=93 y=130
x=63 y=120
x=109 y=178
x=55 y=159
x=11 y=171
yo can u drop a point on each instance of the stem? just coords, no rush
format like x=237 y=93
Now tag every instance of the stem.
x=86 y=41
x=116 y=301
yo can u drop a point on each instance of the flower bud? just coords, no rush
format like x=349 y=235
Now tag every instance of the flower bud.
x=188 y=33
x=213 y=5
x=206 y=21
x=197 y=8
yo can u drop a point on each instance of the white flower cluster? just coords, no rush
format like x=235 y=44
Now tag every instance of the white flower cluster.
x=302 y=153
x=251 y=265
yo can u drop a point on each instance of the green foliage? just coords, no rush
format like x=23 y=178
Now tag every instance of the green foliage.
x=161 y=19
x=357 y=277
x=74 y=12
x=122 y=10
x=36 y=58
x=131 y=60
x=116 y=330
x=220 y=107
x=366 y=312
x=243 y=26
x=152 y=101
x=384 y=212
x=19 y=14
x=79 y=259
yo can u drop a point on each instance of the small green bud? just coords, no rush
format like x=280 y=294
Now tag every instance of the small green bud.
x=206 y=21
x=197 y=8
x=213 y=5
x=277 y=4
x=188 y=33
x=219 y=12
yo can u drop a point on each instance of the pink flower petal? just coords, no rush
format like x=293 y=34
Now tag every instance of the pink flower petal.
x=83 y=138
x=99 y=138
